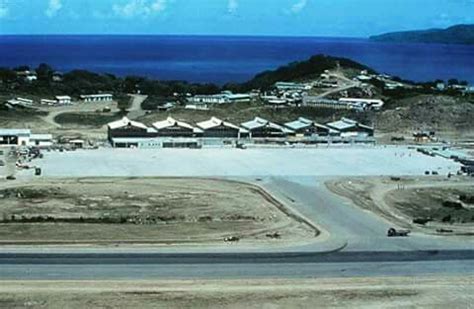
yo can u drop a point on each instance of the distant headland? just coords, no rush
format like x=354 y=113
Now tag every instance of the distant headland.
x=459 y=34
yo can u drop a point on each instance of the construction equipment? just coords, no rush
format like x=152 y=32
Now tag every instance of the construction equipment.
x=392 y=232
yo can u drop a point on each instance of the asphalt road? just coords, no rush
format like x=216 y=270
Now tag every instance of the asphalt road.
x=346 y=223
x=234 y=258
x=214 y=266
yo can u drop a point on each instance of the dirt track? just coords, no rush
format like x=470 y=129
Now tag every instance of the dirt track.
x=399 y=200
x=143 y=210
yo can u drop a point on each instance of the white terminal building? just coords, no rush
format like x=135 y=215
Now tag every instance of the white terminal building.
x=221 y=98
x=63 y=99
x=106 y=97
x=24 y=137
x=284 y=86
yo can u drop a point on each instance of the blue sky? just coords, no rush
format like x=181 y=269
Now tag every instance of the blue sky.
x=348 y=18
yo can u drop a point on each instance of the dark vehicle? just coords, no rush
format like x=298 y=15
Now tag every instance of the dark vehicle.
x=231 y=239
x=240 y=146
x=444 y=231
x=397 y=233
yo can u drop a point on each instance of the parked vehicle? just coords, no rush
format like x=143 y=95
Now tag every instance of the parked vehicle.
x=231 y=239
x=392 y=232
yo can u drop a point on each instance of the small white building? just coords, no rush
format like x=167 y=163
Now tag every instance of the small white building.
x=97 y=97
x=27 y=75
x=200 y=107
x=237 y=97
x=15 y=137
x=25 y=101
x=41 y=140
x=48 y=102
x=283 y=86
x=63 y=100
x=374 y=104
x=209 y=99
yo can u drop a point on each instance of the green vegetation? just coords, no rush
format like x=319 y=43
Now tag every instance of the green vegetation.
x=123 y=101
x=79 y=82
x=20 y=113
x=86 y=119
x=459 y=34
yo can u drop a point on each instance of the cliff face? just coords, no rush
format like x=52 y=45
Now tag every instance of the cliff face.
x=460 y=34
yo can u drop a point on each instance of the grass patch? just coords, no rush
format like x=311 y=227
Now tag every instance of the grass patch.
x=86 y=119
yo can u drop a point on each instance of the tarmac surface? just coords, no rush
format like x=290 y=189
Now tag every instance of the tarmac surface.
x=323 y=161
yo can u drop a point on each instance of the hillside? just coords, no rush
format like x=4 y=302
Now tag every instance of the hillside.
x=451 y=116
x=459 y=34
x=297 y=71
x=79 y=82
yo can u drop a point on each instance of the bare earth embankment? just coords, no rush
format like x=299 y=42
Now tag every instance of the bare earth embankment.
x=439 y=292
x=429 y=204
x=144 y=210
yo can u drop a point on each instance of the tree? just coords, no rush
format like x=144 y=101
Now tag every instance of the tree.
x=22 y=68
x=453 y=81
x=45 y=72
x=7 y=75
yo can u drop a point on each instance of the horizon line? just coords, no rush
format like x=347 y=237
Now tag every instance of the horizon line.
x=187 y=35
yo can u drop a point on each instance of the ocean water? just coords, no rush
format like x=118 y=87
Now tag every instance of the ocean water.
x=229 y=59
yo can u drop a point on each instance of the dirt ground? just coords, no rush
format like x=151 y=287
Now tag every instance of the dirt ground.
x=144 y=210
x=430 y=292
x=430 y=204
x=450 y=117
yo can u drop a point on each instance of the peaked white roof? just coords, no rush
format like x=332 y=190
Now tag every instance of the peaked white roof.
x=299 y=124
x=171 y=122
x=215 y=122
x=260 y=123
x=126 y=122
x=346 y=123
x=10 y=132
